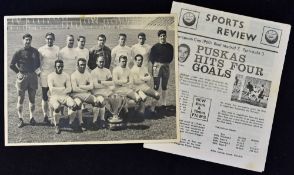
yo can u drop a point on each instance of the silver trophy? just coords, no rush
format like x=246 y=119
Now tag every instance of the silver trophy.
x=115 y=104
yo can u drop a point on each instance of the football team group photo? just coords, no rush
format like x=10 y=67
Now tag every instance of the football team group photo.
x=72 y=79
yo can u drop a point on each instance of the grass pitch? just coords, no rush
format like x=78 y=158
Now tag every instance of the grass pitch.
x=149 y=129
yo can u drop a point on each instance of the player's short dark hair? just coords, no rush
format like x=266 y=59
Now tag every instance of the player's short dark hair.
x=50 y=34
x=142 y=34
x=161 y=32
x=122 y=57
x=185 y=45
x=27 y=35
x=101 y=36
x=58 y=61
x=81 y=37
x=81 y=59
x=138 y=55
x=122 y=34
x=70 y=35
x=100 y=55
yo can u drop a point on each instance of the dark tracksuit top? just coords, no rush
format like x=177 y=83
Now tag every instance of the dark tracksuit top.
x=25 y=60
x=95 y=52
x=162 y=53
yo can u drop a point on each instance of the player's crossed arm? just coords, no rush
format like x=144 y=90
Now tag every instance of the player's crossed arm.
x=76 y=87
x=53 y=89
x=108 y=82
x=88 y=86
x=68 y=85
x=146 y=77
x=95 y=81
x=117 y=80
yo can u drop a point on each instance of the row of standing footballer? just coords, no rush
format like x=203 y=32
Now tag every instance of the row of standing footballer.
x=72 y=77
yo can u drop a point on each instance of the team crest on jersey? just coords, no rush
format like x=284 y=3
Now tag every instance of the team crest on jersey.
x=33 y=55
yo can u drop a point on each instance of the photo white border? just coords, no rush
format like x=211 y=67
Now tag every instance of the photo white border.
x=92 y=142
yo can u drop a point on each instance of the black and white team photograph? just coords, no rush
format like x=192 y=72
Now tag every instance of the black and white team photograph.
x=90 y=79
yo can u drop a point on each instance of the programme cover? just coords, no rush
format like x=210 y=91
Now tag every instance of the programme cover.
x=229 y=68
x=88 y=79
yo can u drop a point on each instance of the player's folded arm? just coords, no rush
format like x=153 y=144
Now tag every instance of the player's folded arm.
x=57 y=90
x=68 y=86
x=37 y=62
x=14 y=68
x=13 y=63
x=89 y=85
x=77 y=89
x=135 y=79
x=86 y=87
x=145 y=78
x=96 y=84
x=74 y=85
x=117 y=81
x=107 y=83
x=120 y=82
x=54 y=90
